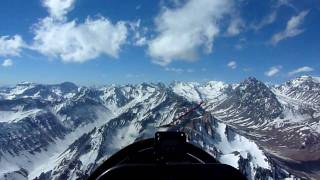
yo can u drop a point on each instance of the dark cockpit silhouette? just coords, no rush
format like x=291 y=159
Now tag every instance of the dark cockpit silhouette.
x=167 y=156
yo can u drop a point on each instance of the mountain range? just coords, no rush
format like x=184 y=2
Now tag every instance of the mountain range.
x=65 y=131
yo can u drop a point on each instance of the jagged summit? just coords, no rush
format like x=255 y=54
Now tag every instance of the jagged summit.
x=304 y=88
x=303 y=80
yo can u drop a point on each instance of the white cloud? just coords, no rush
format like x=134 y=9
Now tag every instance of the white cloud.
x=139 y=33
x=232 y=64
x=287 y=3
x=71 y=41
x=236 y=26
x=272 y=17
x=247 y=69
x=7 y=63
x=301 y=70
x=282 y=2
x=74 y=42
x=11 y=46
x=242 y=42
x=141 y=41
x=58 y=8
x=190 y=70
x=178 y=70
x=292 y=28
x=239 y=46
x=134 y=75
x=267 y=20
x=138 y=7
x=184 y=30
x=274 y=70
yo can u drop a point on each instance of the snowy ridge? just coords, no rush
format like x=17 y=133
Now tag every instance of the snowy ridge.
x=274 y=116
x=209 y=91
x=304 y=88
x=32 y=90
x=64 y=131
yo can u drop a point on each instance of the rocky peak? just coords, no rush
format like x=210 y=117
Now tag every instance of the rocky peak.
x=256 y=97
x=305 y=88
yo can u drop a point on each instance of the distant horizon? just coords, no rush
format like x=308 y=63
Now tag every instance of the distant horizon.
x=154 y=82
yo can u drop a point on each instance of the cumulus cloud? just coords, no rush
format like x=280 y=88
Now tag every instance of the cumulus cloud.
x=58 y=8
x=74 y=42
x=184 y=30
x=292 y=28
x=232 y=64
x=303 y=69
x=71 y=41
x=7 y=63
x=11 y=46
x=274 y=70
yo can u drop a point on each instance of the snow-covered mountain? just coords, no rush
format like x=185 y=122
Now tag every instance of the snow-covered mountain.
x=284 y=120
x=304 y=88
x=64 y=131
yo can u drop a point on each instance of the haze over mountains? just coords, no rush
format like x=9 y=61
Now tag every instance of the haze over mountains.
x=65 y=131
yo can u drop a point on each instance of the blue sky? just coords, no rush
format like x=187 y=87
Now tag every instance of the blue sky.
x=95 y=42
